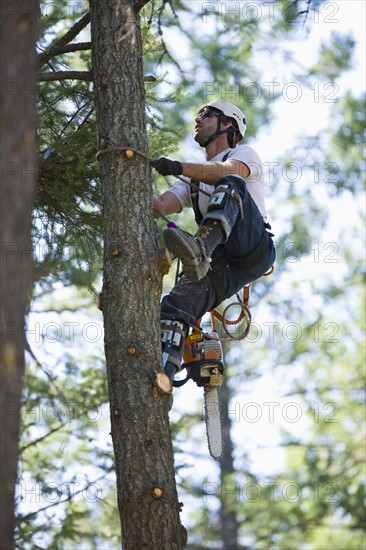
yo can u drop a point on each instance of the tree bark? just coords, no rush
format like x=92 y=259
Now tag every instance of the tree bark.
x=18 y=66
x=147 y=496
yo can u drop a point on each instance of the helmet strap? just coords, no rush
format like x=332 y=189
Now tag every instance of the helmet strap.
x=218 y=132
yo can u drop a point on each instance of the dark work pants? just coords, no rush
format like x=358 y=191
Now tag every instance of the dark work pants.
x=190 y=300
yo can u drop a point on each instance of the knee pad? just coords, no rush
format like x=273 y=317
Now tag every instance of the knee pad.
x=223 y=206
x=219 y=198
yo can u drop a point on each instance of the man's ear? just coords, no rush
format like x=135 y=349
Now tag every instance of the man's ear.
x=226 y=125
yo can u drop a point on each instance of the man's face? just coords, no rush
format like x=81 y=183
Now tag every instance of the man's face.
x=206 y=124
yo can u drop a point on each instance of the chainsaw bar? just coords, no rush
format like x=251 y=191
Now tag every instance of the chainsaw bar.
x=213 y=421
x=207 y=373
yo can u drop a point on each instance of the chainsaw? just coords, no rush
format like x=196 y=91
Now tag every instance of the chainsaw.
x=203 y=361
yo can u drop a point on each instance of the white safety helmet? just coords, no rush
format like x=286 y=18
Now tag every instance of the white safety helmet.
x=231 y=111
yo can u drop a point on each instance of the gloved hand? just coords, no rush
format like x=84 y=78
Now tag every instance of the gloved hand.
x=167 y=167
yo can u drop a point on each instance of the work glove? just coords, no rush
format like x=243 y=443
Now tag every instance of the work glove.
x=167 y=167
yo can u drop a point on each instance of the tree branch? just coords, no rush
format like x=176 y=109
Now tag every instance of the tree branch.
x=78 y=75
x=79 y=46
x=61 y=501
x=66 y=39
x=139 y=4
x=36 y=441
x=66 y=75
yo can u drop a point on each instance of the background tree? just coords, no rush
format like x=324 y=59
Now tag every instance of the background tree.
x=19 y=32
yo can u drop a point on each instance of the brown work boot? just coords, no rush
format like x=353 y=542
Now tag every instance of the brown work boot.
x=194 y=252
x=191 y=252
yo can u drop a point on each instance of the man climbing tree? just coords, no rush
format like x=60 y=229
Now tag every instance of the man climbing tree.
x=232 y=246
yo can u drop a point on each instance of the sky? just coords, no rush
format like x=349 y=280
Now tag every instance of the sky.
x=298 y=101
x=316 y=102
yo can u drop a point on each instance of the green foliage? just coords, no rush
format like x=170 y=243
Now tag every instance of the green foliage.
x=346 y=144
x=67 y=216
x=68 y=202
x=215 y=70
x=68 y=199
x=335 y=57
x=319 y=491
x=66 y=464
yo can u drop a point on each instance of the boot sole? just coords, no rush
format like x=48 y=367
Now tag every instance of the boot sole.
x=187 y=250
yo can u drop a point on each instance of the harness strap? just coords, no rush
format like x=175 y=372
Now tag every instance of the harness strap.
x=195 y=195
x=172 y=328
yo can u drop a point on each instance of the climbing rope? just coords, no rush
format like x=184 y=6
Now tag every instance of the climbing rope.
x=223 y=319
x=244 y=314
x=130 y=152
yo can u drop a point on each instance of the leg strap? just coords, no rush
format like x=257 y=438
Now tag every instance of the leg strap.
x=172 y=338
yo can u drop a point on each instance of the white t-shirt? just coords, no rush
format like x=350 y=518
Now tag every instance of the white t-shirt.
x=254 y=181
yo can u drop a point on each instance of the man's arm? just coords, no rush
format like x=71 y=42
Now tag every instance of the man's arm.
x=211 y=172
x=207 y=172
x=166 y=204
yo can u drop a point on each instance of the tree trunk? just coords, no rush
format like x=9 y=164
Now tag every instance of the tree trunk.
x=18 y=66
x=147 y=496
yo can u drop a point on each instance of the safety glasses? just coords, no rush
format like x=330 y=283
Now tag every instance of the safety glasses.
x=207 y=114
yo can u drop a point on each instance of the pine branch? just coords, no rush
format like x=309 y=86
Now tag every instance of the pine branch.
x=30 y=351
x=51 y=432
x=66 y=75
x=160 y=32
x=66 y=39
x=68 y=48
x=77 y=75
